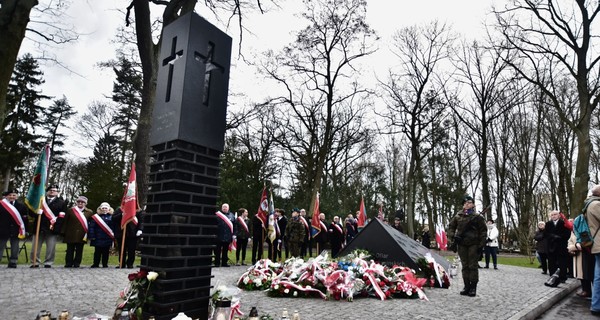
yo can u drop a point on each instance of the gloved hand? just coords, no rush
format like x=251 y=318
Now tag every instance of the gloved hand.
x=234 y=237
x=138 y=233
x=457 y=239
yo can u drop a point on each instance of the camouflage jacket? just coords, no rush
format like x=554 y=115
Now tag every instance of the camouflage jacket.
x=476 y=229
x=295 y=231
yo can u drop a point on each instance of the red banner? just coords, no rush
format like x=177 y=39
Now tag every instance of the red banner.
x=263 y=207
x=129 y=202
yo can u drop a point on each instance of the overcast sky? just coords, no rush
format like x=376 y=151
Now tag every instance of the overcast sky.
x=97 y=21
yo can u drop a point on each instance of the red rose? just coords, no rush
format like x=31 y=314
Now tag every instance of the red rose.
x=142 y=274
x=132 y=276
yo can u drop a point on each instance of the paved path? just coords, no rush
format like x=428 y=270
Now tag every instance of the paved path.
x=508 y=293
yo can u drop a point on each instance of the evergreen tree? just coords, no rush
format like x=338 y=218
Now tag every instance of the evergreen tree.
x=127 y=94
x=19 y=141
x=55 y=117
x=102 y=178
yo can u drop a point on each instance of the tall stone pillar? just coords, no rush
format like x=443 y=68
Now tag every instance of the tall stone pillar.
x=187 y=139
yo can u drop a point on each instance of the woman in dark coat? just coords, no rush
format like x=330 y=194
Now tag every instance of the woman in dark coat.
x=101 y=234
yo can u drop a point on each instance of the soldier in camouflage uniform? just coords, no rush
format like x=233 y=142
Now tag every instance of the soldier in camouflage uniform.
x=295 y=232
x=468 y=229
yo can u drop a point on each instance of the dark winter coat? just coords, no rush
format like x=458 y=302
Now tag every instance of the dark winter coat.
x=335 y=236
x=97 y=235
x=8 y=227
x=541 y=243
x=557 y=236
x=257 y=228
x=241 y=233
x=71 y=228
x=57 y=205
x=131 y=229
x=223 y=232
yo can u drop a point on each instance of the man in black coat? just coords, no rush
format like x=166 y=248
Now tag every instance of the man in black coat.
x=336 y=236
x=557 y=236
x=133 y=232
x=257 y=239
x=49 y=230
x=306 y=248
x=225 y=235
x=279 y=242
x=13 y=215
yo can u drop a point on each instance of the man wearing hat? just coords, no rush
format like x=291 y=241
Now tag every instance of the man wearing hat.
x=469 y=231
x=74 y=230
x=13 y=215
x=52 y=218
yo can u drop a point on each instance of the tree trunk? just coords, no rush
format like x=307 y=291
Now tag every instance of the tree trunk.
x=14 y=17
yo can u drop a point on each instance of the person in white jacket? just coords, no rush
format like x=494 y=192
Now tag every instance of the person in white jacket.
x=491 y=244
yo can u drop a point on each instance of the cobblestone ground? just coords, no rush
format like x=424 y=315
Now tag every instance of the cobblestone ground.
x=508 y=293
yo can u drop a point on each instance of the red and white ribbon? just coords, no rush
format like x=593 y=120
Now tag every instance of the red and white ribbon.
x=339 y=229
x=226 y=220
x=100 y=222
x=14 y=213
x=243 y=223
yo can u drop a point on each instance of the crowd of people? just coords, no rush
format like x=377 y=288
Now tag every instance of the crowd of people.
x=560 y=254
x=76 y=225
x=284 y=237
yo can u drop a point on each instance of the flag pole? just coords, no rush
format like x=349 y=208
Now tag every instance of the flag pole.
x=124 y=229
x=37 y=240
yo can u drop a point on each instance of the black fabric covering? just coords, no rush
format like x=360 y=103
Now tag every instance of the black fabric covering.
x=390 y=246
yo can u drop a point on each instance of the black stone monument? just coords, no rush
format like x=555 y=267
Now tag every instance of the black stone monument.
x=187 y=139
x=390 y=246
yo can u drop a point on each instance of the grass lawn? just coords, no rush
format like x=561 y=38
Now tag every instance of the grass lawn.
x=88 y=255
x=59 y=260
x=519 y=261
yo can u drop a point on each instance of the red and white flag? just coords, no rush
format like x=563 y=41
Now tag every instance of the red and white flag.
x=440 y=237
x=362 y=213
x=263 y=208
x=129 y=202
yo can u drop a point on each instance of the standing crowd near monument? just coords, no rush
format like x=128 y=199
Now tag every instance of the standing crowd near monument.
x=77 y=225
x=284 y=237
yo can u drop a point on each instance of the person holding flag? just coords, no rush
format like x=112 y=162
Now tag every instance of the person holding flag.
x=12 y=225
x=53 y=214
x=101 y=234
x=132 y=233
x=75 y=231
x=129 y=217
x=259 y=223
x=225 y=235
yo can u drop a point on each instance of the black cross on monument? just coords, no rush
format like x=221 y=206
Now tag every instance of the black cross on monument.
x=170 y=60
x=210 y=66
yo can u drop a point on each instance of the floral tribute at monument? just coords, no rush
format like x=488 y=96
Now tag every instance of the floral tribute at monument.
x=347 y=278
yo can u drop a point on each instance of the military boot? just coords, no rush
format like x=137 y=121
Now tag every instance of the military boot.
x=473 y=289
x=467 y=288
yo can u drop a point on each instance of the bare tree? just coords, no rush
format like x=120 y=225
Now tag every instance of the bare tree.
x=320 y=97
x=491 y=91
x=43 y=23
x=416 y=99
x=553 y=38
x=149 y=44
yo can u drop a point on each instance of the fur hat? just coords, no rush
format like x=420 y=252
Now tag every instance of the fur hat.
x=82 y=198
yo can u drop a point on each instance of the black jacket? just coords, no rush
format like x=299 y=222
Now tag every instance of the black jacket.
x=557 y=236
x=8 y=226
